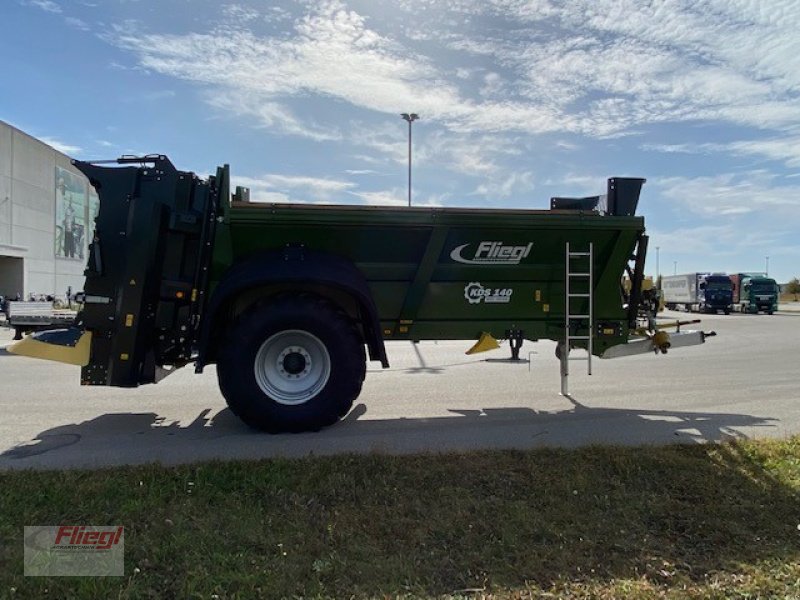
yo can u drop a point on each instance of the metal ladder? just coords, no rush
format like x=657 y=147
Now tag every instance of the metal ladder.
x=571 y=318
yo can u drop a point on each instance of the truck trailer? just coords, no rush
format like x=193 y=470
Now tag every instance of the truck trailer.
x=25 y=317
x=290 y=300
x=754 y=293
x=704 y=292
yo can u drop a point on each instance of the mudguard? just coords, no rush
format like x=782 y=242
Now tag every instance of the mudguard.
x=293 y=265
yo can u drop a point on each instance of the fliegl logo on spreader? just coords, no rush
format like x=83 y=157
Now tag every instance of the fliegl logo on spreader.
x=492 y=253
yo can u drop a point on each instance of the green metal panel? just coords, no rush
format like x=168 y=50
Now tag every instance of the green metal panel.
x=449 y=273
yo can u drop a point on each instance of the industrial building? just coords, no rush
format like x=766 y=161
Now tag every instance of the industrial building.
x=46 y=211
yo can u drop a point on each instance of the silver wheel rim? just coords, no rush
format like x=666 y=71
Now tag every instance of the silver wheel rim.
x=292 y=366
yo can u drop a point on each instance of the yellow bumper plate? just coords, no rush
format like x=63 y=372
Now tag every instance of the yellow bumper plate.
x=35 y=347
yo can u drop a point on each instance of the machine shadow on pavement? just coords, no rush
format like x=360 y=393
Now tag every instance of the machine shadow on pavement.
x=136 y=438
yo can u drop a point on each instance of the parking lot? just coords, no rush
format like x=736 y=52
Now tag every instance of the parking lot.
x=433 y=398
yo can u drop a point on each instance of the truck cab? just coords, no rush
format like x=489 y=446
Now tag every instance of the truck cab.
x=754 y=293
x=760 y=294
x=716 y=293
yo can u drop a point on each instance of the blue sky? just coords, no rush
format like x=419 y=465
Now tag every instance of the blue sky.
x=518 y=101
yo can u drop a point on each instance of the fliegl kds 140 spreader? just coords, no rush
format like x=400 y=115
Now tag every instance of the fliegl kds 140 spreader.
x=289 y=300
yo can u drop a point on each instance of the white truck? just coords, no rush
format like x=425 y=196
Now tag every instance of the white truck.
x=35 y=316
x=703 y=292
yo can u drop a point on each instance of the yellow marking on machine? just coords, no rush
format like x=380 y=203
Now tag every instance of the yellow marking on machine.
x=72 y=355
x=485 y=343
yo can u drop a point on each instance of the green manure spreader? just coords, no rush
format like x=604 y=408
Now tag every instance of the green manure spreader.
x=290 y=300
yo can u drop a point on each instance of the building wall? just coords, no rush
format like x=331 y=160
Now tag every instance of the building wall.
x=28 y=219
x=5 y=184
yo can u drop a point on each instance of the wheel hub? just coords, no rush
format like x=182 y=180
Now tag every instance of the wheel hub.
x=292 y=366
x=294 y=362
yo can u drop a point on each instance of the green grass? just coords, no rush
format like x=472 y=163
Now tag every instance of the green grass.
x=701 y=521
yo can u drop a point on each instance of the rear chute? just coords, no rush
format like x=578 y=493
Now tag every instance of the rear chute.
x=71 y=346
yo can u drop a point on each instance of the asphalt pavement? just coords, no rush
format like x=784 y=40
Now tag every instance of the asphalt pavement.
x=741 y=383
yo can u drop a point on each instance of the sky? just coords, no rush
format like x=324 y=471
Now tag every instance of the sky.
x=518 y=101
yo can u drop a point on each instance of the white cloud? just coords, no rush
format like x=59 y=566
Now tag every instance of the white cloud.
x=700 y=240
x=46 y=5
x=276 y=14
x=502 y=189
x=271 y=115
x=512 y=94
x=785 y=150
x=574 y=185
x=67 y=149
x=275 y=187
x=475 y=155
x=397 y=197
x=370 y=159
x=266 y=196
x=493 y=85
x=568 y=146
x=367 y=72
x=732 y=247
x=77 y=23
x=463 y=73
x=688 y=148
x=391 y=197
x=240 y=14
x=613 y=64
x=730 y=194
x=388 y=141
x=599 y=67
x=361 y=172
x=314 y=183
x=370 y=71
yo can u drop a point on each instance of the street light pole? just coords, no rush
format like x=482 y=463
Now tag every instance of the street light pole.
x=410 y=118
x=767 y=267
x=658 y=272
x=674 y=267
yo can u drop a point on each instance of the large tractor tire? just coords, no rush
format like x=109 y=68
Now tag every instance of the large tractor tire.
x=294 y=363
